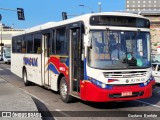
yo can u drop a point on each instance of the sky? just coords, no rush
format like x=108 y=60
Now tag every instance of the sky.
x=42 y=11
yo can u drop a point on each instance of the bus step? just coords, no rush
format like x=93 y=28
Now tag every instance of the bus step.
x=75 y=93
x=47 y=86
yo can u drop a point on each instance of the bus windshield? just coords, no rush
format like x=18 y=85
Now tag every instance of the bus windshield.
x=119 y=49
x=7 y=52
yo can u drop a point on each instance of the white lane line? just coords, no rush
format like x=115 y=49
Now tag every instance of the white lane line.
x=46 y=103
x=34 y=96
x=8 y=68
x=63 y=113
x=148 y=103
x=1 y=69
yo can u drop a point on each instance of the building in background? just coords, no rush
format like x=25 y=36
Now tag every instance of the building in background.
x=6 y=35
x=139 y=5
x=154 y=17
x=158 y=48
x=150 y=9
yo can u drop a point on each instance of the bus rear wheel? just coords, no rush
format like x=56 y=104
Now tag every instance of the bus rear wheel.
x=26 y=82
x=64 y=91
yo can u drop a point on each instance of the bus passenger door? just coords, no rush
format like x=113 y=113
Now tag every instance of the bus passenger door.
x=45 y=58
x=75 y=63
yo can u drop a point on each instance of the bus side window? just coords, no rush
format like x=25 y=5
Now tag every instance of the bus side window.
x=39 y=50
x=24 y=45
x=29 y=40
x=61 y=42
x=53 y=43
x=37 y=43
x=19 y=44
x=23 y=50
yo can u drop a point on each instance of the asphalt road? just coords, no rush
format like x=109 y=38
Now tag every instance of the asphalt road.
x=47 y=100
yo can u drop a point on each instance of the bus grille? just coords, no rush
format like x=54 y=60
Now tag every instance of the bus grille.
x=123 y=85
x=125 y=74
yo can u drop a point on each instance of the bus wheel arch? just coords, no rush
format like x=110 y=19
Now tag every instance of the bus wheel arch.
x=64 y=90
x=24 y=76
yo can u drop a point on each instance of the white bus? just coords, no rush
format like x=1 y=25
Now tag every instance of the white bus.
x=6 y=54
x=76 y=57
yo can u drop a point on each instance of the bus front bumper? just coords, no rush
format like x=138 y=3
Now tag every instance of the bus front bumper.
x=90 y=92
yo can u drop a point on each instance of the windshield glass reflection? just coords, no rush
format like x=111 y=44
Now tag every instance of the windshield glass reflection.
x=119 y=49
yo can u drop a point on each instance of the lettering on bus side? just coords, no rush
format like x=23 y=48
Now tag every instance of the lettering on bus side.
x=30 y=61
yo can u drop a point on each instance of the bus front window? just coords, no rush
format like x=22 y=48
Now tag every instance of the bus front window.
x=119 y=49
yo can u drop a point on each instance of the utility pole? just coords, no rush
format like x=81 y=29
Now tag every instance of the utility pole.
x=99 y=3
x=86 y=7
x=1 y=25
x=20 y=13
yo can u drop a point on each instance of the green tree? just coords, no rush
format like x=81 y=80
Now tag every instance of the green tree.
x=155 y=44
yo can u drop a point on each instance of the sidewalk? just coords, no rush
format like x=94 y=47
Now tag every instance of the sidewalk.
x=15 y=100
x=1 y=62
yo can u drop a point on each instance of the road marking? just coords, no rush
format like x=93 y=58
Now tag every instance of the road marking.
x=1 y=69
x=148 y=103
x=55 y=118
x=35 y=96
x=46 y=104
x=63 y=113
x=8 y=68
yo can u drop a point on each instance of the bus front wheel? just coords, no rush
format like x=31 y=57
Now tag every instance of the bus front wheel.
x=64 y=91
x=26 y=82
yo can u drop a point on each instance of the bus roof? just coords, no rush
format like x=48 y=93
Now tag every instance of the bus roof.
x=83 y=18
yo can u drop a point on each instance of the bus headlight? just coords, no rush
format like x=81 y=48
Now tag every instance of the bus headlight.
x=99 y=84
x=145 y=83
x=103 y=85
x=151 y=78
x=148 y=80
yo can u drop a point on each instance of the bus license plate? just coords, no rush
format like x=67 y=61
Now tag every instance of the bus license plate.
x=129 y=93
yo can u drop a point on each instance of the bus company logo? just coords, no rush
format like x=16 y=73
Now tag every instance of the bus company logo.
x=127 y=81
x=30 y=61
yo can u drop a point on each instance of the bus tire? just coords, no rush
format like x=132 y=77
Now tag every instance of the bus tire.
x=26 y=82
x=64 y=91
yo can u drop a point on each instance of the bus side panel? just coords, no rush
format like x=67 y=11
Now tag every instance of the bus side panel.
x=32 y=62
x=54 y=81
x=17 y=64
x=57 y=67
